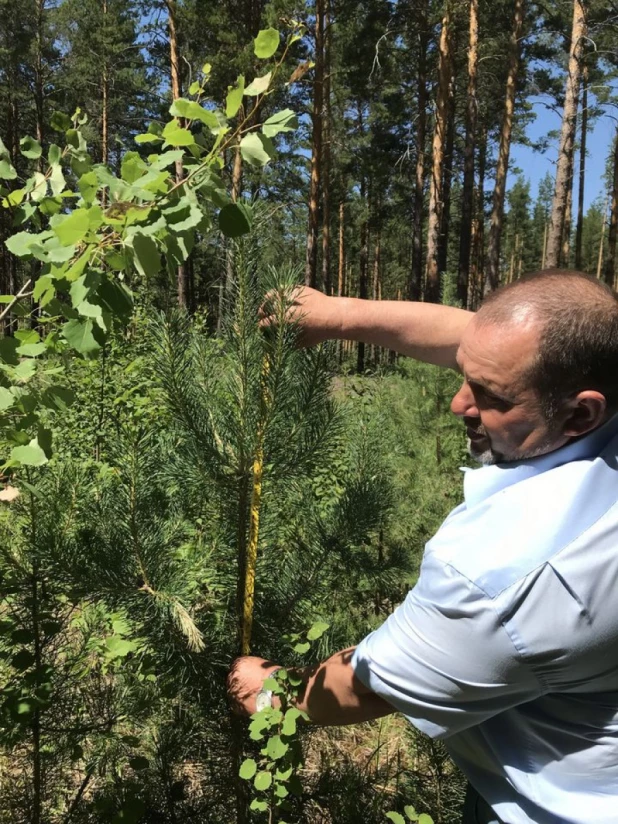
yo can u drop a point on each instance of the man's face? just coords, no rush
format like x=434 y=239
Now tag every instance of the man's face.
x=502 y=414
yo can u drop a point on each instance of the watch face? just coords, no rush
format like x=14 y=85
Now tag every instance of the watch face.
x=263 y=699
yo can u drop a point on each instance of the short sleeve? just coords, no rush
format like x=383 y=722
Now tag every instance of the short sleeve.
x=444 y=658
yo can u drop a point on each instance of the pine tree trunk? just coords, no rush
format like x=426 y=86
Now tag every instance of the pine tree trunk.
x=582 y=170
x=415 y=287
x=341 y=260
x=363 y=263
x=492 y=280
x=432 y=274
x=326 y=151
x=182 y=279
x=38 y=80
x=316 y=149
x=477 y=265
x=567 y=138
x=612 y=235
x=467 y=194
x=376 y=289
x=104 y=99
x=566 y=240
x=447 y=175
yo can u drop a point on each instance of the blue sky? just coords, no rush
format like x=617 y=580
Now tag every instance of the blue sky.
x=534 y=165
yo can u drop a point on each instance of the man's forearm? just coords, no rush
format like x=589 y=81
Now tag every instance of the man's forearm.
x=333 y=695
x=427 y=332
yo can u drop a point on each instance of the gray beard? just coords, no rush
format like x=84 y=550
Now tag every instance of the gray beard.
x=488 y=457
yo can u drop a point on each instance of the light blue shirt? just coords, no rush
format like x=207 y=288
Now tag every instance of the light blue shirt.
x=507 y=647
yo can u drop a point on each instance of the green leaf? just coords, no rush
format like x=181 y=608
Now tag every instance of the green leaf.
x=147 y=138
x=60 y=121
x=29 y=455
x=283 y=121
x=263 y=780
x=258 y=805
x=24 y=658
x=56 y=179
x=31 y=350
x=7 y=399
x=88 y=185
x=84 y=286
x=266 y=43
x=133 y=167
x=302 y=648
x=410 y=812
x=80 y=335
x=44 y=290
x=71 y=229
x=248 y=769
x=119 y=647
x=146 y=254
x=176 y=136
x=54 y=154
x=234 y=97
x=425 y=819
x=19 y=245
x=317 y=631
x=7 y=170
x=39 y=188
x=253 y=148
x=258 y=86
x=396 y=818
x=58 y=397
x=30 y=148
x=138 y=762
x=276 y=748
x=191 y=110
x=289 y=721
x=236 y=219
x=283 y=775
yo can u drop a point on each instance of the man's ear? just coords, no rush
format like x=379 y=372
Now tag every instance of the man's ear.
x=585 y=412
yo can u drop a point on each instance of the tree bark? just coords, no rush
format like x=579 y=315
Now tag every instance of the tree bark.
x=582 y=169
x=567 y=137
x=447 y=175
x=432 y=272
x=415 y=287
x=363 y=263
x=610 y=262
x=38 y=79
x=326 y=152
x=467 y=194
x=316 y=149
x=182 y=279
x=104 y=99
x=477 y=265
x=497 y=212
x=341 y=261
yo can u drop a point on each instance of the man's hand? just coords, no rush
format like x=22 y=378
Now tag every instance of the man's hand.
x=317 y=315
x=244 y=681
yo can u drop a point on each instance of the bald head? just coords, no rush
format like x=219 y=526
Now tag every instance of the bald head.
x=576 y=317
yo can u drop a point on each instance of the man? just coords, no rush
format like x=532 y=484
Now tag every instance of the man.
x=507 y=647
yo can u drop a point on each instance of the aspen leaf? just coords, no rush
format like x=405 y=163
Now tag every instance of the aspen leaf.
x=266 y=43
x=234 y=97
x=258 y=86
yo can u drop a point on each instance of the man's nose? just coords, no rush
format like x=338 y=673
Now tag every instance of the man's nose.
x=463 y=404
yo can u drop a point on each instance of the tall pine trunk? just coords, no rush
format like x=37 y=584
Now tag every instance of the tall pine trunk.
x=492 y=280
x=415 y=287
x=326 y=154
x=316 y=149
x=341 y=253
x=104 y=98
x=612 y=235
x=447 y=175
x=432 y=279
x=582 y=169
x=363 y=262
x=467 y=194
x=477 y=264
x=567 y=138
x=182 y=279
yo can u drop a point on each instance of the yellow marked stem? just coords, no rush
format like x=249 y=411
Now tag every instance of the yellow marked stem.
x=254 y=516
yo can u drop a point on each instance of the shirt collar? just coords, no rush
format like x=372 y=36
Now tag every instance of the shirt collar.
x=480 y=483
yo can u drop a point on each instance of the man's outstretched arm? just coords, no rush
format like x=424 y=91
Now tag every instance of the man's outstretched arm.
x=425 y=331
x=331 y=695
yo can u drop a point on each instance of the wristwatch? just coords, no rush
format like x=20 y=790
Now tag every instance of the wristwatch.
x=264 y=698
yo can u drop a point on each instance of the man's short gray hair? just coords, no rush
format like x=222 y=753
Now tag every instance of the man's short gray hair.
x=578 y=317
